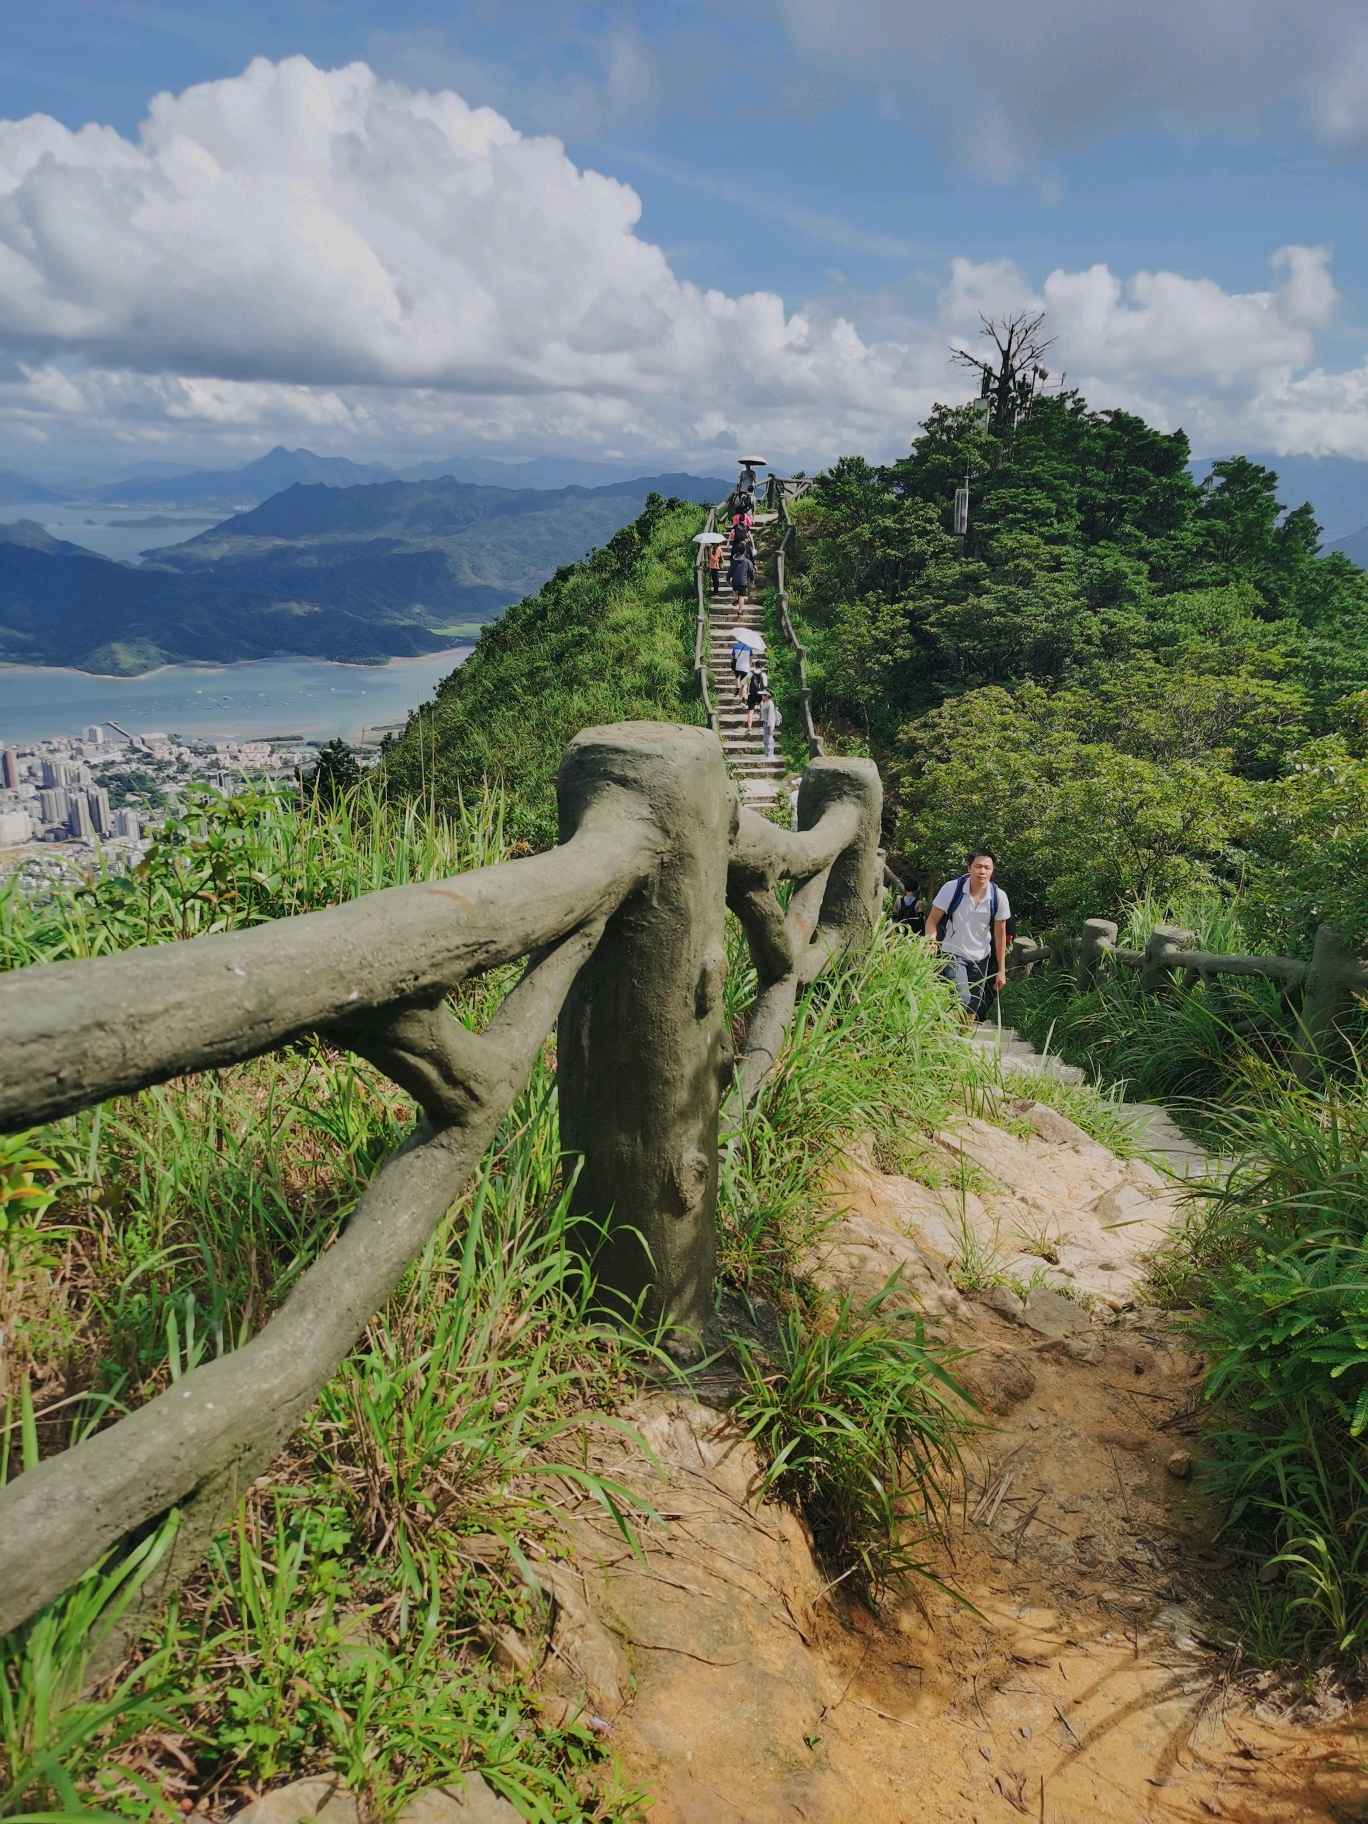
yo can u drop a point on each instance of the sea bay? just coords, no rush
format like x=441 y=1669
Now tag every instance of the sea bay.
x=310 y=697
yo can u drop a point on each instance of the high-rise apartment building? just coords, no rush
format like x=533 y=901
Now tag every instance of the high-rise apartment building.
x=129 y=826
x=100 y=814
x=79 y=820
x=14 y=827
x=59 y=772
x=95 y=735
x=9 y=770
x=55 y=805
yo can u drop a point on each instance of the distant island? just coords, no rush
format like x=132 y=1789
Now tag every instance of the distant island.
x=363 y=574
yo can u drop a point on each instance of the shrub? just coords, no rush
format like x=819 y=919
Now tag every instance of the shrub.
x=1278 y=1257
x=854 y=1422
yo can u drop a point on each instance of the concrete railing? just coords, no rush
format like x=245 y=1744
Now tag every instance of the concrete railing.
x=623 y=930
x=1318 y=996
x=778 y=493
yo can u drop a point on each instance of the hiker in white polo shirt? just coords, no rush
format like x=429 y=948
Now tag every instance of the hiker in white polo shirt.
x=968 y=924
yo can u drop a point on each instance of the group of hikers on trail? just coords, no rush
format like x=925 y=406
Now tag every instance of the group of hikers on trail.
x=753 y=688
x=752 y=680
x=969 y=921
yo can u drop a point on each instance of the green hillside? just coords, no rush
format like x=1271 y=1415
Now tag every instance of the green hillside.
x=606 y=640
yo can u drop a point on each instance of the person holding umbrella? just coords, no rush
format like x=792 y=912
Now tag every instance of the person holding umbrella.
x=741 y=665
x=750 y=644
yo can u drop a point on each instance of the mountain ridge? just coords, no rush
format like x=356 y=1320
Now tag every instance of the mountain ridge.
x=364 y=573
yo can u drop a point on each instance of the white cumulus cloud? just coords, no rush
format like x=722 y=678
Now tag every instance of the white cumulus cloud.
x=320 y=254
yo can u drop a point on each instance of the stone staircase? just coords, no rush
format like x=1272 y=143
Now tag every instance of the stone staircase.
x=1159 y=1137
x=761 y=780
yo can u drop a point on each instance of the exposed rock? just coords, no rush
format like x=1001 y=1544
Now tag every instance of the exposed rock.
x=878 y=1233
x=996 y=1379
x=322 y=1797
x=1052 y=1315
x=1179 y=1465
x=1051 y=1125
x=1005 y=1302
x=472 y=1802
x=510 y=1650
x=583 y=1657
x=1141 y=1174
x=720 y=1628
x=1124 y=1205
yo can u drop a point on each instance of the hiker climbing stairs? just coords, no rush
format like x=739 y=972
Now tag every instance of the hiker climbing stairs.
x=761 y=779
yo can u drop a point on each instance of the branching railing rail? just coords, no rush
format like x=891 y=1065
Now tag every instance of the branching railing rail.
x=623 y=929
x=1318 y=995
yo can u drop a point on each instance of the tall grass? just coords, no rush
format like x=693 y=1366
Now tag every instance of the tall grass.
x=142 y=1237
x=1276 y=1261
x=1186 y=1046
x=858 y=1424
x=223 y=862
x=876 y=1049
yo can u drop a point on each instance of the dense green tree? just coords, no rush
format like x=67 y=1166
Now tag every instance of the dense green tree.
x=336 y=773
x=1111 y=678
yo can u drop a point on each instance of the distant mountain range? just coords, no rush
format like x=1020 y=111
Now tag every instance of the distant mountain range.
x=1355 y=547
x=253 y=482
x=166 y=485
x=360 y=573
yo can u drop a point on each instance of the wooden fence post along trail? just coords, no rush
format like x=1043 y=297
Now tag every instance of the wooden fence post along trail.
x=1319 y=996
x=622 y=929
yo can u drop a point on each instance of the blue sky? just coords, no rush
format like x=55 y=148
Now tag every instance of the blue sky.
x=828 y=194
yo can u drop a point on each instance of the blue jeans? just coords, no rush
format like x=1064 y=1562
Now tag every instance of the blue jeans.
x=970 y=980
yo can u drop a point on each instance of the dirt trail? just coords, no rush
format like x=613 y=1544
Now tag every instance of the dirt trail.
x=1085 y=1687
x=1089 y=1688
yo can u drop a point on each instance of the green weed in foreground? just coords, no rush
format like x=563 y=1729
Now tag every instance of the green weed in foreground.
x=339 y=1624
x=1276 y=1262
x=857 y=1422
x=876 y=1050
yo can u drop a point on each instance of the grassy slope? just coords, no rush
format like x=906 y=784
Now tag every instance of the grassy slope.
x=606 y=640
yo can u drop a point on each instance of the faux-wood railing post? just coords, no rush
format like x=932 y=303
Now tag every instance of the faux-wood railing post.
x=1099 y=936
x=854 y=889
x=1163 y=940
x=641 y=1052
x=1329 y=997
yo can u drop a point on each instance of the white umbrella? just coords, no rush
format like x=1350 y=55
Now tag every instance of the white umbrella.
x=753 y=462
x=747 y=636
x=710 y=538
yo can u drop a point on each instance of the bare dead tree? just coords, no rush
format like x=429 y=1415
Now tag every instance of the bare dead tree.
x=1009 y=378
